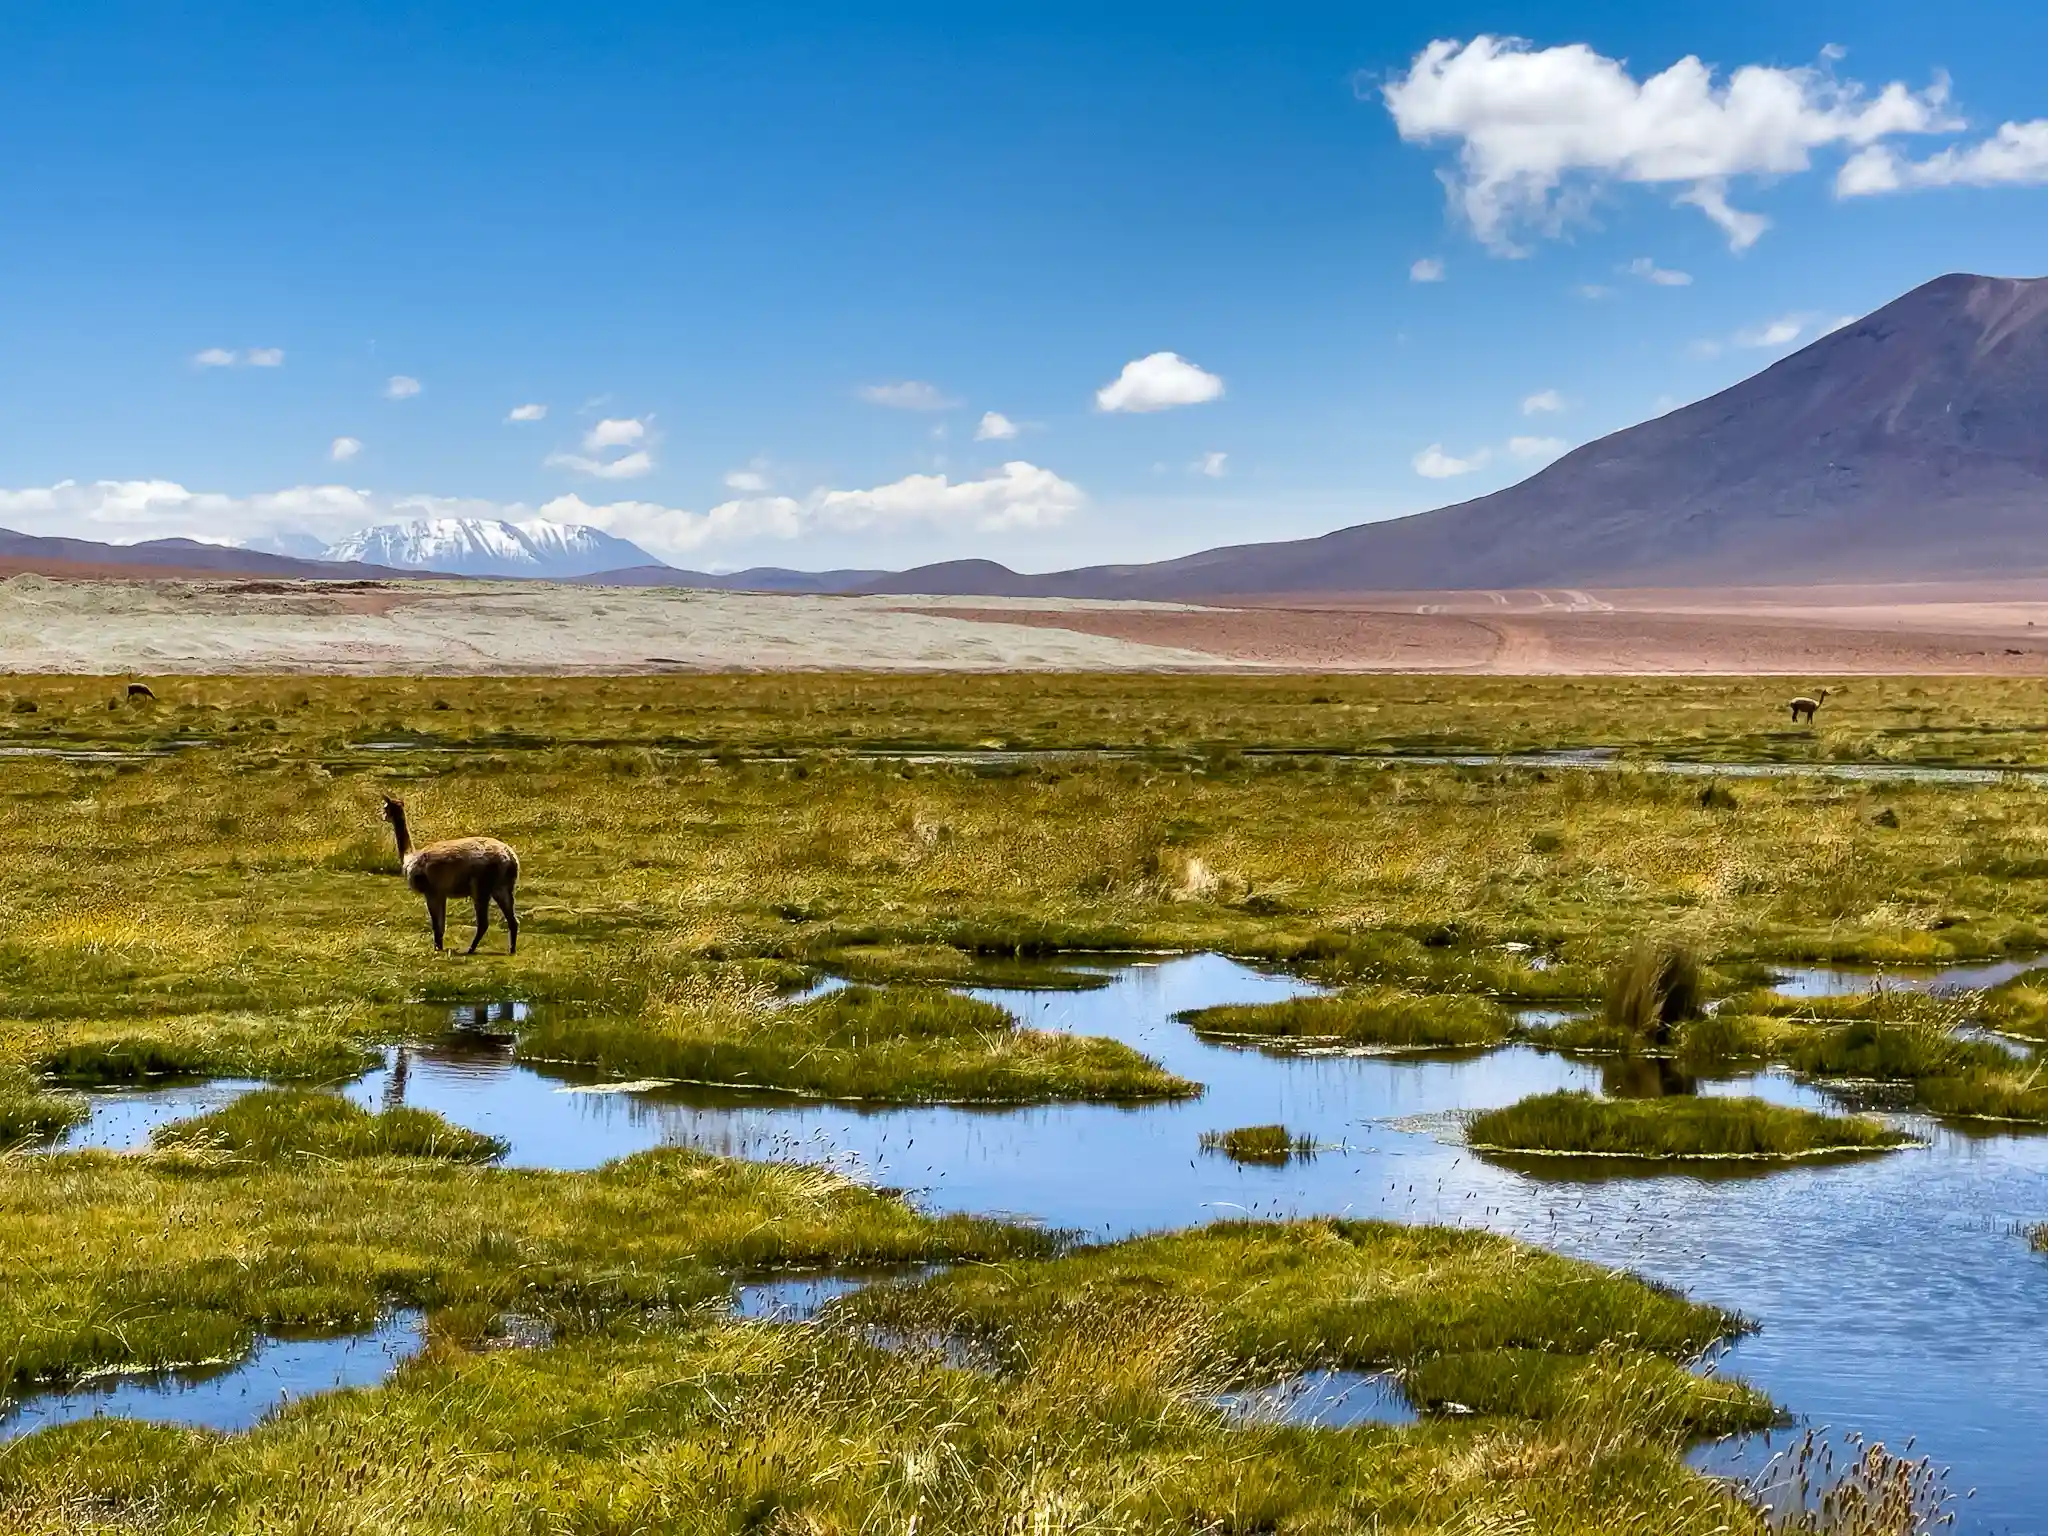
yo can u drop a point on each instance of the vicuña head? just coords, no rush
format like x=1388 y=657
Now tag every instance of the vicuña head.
x=481 y=868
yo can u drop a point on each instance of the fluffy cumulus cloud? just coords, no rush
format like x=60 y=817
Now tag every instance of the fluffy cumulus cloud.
x=1767 y=334
x=214 y=357
x=995 y=427
x=401 y=387
x=751 y=480
x=1529 y=449
x=227 y=357
x=907 y=395
x=265 y=357
x=533 y=412
x=1435 y=464
x=1158 y=382
x=1018 y=497
x=1539 y=131
x=1545 y=402
x=1430 y=269
x=2015 y=156
x=342 y=449
x=1213 y=464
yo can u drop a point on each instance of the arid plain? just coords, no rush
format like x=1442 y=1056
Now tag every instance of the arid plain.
x=53 y=624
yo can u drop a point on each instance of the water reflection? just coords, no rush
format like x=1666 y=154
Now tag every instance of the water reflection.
x=1893 y=1295
x=233 y=1396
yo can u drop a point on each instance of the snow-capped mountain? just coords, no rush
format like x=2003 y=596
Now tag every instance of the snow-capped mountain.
x=480 y=546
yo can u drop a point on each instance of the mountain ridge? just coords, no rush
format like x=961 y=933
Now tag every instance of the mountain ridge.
x=482 y=546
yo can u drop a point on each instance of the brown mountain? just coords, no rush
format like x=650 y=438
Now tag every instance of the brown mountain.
x=1911 y=444
x=172 y=557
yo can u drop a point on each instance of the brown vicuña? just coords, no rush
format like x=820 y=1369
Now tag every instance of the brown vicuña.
x=481 y=868
x=1805 y=706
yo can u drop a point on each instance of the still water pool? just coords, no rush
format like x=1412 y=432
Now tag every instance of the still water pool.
x=1895 y=1294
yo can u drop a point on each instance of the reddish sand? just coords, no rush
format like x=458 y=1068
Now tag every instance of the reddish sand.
x=1805 y=631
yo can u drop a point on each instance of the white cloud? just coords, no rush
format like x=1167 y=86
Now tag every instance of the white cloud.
x=1430 y=269
x=1742 y=229
x=342 y=449
x=615 y=432
x=1772 y=333
x=1544 y=402
x=1663 y=277
x=995 y=428
x=1540 y=130
x=265 y=357
x=746 y=480
x=627 y=466
x=123 y=511
x=401 y=387
x=1157 y=383
x=1211 y=464
x=1536 y=447
x=2016 y=156
x=907 y=395
x=1434 y=464
x=534 y=412
x=214 y=357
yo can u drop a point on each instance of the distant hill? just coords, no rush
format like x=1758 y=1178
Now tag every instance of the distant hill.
x=28 y=551
x=1911 y=444
x=480 y=546
x=759 y=578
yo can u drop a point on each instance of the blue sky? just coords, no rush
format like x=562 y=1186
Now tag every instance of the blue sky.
x=769 y=267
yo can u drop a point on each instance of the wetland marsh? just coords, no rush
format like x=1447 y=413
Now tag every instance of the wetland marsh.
x=175 y=930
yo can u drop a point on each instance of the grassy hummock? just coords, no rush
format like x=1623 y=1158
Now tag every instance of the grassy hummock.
x=276 y=1123
x=1382 y=1017
x=1269 y=1298
x=31 y=1112
x=898 y=1044
x=1581 y=1125
x=1259 y=1144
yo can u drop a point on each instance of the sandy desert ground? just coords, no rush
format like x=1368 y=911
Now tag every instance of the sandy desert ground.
x=220 y=626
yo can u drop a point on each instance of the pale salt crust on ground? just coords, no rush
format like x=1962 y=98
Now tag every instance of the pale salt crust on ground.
x=509 y=628
x=173 y=626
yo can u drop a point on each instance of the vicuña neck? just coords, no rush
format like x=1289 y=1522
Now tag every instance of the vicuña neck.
x=404 y=837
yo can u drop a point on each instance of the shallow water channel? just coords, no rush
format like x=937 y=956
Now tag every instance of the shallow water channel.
x=1896 y=1295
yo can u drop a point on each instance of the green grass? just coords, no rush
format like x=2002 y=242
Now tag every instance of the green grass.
x=281 y=1123
x=1377 y=1017
x=1272 y=1144
x=1578 y=1124
x=31 y=1112
x=795 y=1431
x=1318 y=1294
x=168 y=1257
x=899 y=1044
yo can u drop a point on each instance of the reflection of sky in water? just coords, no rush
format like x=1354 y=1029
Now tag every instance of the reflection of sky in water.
x=1896 y=1295
x=230 y=1397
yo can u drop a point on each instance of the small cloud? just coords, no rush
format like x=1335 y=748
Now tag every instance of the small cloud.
x=1434 y=464
x=266 y=357
x=907 y=395
x=615 y=432
x=213 y=357
x=1594 y=291
x=1544 y=402
x=1211 y=464
x=1536 y=447
x=534 y=412
x=629 y=466
x=401 y=387
x=1430 y=269
x=1663 y=277
x=342 y=449
x=995 y=428
x=1157 y=383
x=746 y=480
x=1772 y=333
x=1838 y=322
